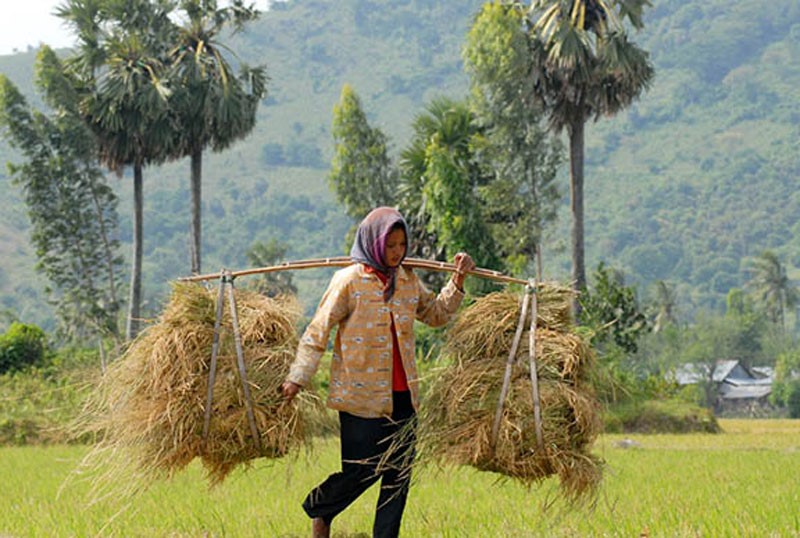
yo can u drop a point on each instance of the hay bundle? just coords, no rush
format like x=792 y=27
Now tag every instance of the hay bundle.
x=458 y=415
x=150 y=405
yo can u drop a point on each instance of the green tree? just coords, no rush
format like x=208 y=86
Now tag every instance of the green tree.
x=213 y=107
x=713 y=338
x=584 y=66
x=362 y=176
x=71 y=207
x=453 y=175
x=442 y=178
x=21 y=346
x=424 y=241
x=771 y=286
x=118 y=67
x=786 y=387
x=522 y=198
x=612 y=311
x=751 y=328
x=265 y=255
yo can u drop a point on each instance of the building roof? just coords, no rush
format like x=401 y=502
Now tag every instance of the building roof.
x=740 y=392
x=693 y=372
x=766 y=372
x=728 y=371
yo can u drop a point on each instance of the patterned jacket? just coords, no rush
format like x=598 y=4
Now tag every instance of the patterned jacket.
x=361 y=366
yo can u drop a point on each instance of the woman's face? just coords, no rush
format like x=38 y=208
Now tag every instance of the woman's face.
x=395 y=247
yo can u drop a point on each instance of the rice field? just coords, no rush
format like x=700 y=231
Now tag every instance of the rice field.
x=743 y=482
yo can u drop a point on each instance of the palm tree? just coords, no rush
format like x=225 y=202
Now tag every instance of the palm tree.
x=522 y=198
x=213 y=106
x=584 y=66
x=772 y=287
x=664 y=303
x=440 y=178
x=118 y=71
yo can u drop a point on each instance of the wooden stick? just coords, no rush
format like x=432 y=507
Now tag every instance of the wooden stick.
x=237 y=338
x=537 y=406
x=344 y=261
x=212 y=372
x=509 y=365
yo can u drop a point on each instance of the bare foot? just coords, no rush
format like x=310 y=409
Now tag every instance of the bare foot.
x=320 y=529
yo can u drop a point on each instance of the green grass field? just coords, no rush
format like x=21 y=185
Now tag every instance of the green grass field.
x=743 y=482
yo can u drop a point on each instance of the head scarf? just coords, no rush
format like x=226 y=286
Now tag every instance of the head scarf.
x=369 y=246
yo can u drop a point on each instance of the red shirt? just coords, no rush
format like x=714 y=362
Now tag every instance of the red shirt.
x=399 y=382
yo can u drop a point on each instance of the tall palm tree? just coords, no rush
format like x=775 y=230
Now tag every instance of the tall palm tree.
x=118 y=70
x=772 y=287
x=523 y=197
x=664 y=303
x=584 y=66
x=214 y=106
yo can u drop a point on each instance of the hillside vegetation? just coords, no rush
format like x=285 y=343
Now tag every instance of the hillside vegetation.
x=684 y=186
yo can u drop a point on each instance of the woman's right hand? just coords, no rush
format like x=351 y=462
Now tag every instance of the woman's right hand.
x=290 y=390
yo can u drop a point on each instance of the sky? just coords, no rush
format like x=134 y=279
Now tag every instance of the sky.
x=31 y=22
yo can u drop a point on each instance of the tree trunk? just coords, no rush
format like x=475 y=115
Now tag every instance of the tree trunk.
x=576 y=205
x=134 y=305
x=109 y=262
x=196 y=233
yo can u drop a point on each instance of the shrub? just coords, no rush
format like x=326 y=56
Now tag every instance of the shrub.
x=40 y=404
x=793 y=398
x=21 y=346
x=659 y=416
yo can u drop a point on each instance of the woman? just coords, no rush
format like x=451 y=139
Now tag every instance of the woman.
x=374 y=384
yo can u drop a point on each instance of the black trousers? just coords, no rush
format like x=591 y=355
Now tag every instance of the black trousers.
x=371 y=448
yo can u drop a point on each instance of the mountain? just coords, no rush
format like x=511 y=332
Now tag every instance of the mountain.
x=685 y=185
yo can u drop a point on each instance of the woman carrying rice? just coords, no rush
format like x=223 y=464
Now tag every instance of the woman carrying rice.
x=374 y=383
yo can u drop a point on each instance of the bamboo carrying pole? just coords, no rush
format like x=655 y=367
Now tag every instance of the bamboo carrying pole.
x=227 y=277
x=344 y=261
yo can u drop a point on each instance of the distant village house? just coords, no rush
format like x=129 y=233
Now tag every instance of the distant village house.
x=740 y=390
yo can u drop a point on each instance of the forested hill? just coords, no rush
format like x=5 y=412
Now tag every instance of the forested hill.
x=699 y=174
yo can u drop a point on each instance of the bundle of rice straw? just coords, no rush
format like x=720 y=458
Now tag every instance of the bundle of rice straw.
x=149 y=408
x=459 y=411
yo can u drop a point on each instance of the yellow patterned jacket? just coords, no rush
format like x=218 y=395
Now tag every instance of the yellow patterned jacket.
x=361 y=366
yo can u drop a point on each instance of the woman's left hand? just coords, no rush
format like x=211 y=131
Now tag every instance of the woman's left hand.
x=463 y=263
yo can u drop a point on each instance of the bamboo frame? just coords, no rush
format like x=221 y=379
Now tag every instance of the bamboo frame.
x=509 y=364
x=227 y=280
x=537 y=405
x=237 y=338
x=212 y=372
x=227 y=277
x=344 y=261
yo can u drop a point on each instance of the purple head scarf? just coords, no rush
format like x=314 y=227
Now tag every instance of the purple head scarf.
x=369 y=246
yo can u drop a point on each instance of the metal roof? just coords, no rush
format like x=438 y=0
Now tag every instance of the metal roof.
x=733 y=392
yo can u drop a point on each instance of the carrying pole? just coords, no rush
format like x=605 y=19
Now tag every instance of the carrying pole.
x=344 y=261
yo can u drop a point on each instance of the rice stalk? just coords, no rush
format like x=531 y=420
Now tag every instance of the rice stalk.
x=148 y=410
x=457 y=417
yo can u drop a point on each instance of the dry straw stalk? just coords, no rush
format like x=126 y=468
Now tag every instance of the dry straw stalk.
x=457 y=419
x=149 y=408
